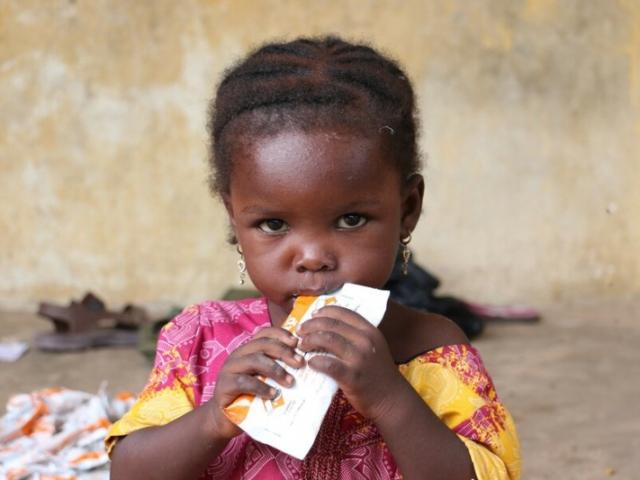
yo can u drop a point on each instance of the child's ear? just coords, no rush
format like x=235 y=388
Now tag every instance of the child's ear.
x=412 y=203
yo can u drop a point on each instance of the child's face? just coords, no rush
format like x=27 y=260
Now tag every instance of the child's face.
x=312 y=211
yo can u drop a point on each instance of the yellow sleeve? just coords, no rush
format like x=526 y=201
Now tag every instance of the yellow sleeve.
x=486 y=464
x=167 y=396
x=454 y=383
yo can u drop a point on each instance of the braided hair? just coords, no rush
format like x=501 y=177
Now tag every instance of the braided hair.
x=306 y=84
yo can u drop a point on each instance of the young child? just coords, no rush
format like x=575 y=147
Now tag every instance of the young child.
x=315 y=159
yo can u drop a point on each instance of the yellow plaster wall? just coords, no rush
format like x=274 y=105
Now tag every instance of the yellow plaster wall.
x=531 y=128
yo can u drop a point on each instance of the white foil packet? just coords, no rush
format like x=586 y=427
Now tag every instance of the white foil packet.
x=291 y=421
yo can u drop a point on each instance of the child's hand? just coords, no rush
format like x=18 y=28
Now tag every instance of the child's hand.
x=362 y=366
x=239 y=373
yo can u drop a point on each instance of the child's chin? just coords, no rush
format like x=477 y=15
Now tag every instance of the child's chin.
x=288 y=306
x=285 y=305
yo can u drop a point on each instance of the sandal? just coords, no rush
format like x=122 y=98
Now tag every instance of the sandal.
x=88 y=324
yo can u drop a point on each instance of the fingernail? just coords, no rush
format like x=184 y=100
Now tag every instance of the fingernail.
x=273 y=392
x=298 y=358
x=289 y=379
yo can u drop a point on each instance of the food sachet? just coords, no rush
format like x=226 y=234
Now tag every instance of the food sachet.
x=291 y=421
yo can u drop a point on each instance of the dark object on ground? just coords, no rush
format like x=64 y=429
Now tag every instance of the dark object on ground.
x=88 y=324
x=417 y=290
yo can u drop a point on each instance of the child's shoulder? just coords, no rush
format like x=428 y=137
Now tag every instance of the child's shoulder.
x=411 y=332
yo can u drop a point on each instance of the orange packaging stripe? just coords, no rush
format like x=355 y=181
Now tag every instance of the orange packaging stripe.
x=124 y=395
x=300 y=307
x=40 y=410
x=86 y=456
x=238 y=410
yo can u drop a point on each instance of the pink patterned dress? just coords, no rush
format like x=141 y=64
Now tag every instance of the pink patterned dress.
x=452 y=381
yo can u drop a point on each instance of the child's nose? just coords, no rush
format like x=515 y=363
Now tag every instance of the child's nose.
x=314 y=258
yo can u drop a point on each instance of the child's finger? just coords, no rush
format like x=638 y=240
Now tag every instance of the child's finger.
x=273 y=348
x=334 y=367
x=330 y=342
x=344 y=314
x=280 y=334
x=236 y=385
x=330 y=324
x=259 y=364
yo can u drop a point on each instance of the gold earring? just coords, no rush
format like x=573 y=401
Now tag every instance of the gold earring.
x=242 y=265
x=406 y=254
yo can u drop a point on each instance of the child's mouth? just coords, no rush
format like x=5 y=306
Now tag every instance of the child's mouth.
x=316 y=291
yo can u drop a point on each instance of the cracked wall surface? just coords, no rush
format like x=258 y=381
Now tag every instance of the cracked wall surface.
x=530 y=130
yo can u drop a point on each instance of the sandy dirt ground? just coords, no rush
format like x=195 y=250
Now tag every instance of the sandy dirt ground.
x=571 y=381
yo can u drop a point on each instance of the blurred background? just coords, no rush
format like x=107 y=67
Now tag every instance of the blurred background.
x=530 y=117
x=530 y=114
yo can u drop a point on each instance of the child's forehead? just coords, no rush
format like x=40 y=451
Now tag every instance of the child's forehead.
x=306 y=165
x=325 y=150
x=342 y=134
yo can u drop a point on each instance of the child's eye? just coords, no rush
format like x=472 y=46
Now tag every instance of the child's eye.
x=273 y=225
x=351 y=220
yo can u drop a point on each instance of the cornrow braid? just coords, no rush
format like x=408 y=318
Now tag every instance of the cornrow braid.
x=313 y=83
